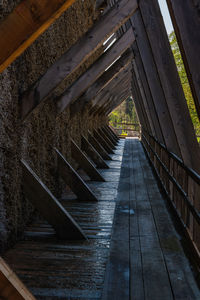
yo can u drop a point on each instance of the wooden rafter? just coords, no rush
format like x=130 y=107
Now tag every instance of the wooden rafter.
x=25 y=24
x=103 y=81
x=95 y=71
x=77 y=54
x=11 y=286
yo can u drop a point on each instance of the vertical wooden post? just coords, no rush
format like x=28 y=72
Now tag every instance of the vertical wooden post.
x=171 y=83
x=186 y=21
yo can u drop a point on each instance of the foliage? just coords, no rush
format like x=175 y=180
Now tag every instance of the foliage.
x=124 y=113
x=185 y=83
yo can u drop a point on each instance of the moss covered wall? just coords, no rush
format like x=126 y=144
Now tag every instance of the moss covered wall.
x=34 y=138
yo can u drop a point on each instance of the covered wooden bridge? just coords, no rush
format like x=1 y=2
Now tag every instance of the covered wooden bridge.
x=84 y=214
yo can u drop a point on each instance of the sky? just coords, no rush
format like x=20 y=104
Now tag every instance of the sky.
x=166 y=16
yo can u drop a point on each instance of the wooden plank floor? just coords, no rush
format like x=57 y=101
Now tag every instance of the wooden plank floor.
x=142 y=260
x=146 y=258
x=54 y=269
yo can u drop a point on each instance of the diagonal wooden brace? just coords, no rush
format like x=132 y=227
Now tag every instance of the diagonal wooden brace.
x=84 y=163
x=72 y=178
x=49 y=207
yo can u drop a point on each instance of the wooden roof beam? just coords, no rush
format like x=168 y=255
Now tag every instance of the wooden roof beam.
x=95 y=71
x=106 y=78
x=25 y=24
x=77 y=54
x=104 y=95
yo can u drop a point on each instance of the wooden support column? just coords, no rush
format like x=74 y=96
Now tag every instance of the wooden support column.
x=77 y=54
x=109 y=136
x=138 y=107
x=98 y=147
x=186 y=21
x=49 y=207
x=143 y=98
x=139 y=104
x=25 y=24
x=106 y=138
x=11 y=287
x=148 y=95
x=171 y=84
x=104 y=144
x=93 y=154
x=94 y=72
x=154 y=83
x=84 y=163
x=73 y=180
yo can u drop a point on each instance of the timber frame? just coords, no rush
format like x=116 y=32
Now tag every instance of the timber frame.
x=138 y=64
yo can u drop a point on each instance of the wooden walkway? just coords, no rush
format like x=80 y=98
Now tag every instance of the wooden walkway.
x=142 y=260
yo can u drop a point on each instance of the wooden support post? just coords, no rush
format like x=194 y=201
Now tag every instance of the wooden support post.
x=101 y=140
x=84 y=163
x=150 y=102
x=25 y=24
x=139 y=99
x=98 y=147
x=143 y=98
x=186 y=21
x=93 y=154
x=73 y=180
x=171 y=84
x=107 y=133
x=77 y=54
x=94 y=72
x=11 y=287
x=155 y=86
x=106 y=138
x=49 y=207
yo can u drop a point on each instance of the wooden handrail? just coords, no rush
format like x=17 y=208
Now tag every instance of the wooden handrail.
x=178 y=181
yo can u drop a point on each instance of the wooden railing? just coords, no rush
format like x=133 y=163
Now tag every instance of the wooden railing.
x=129 y=129
x=182 y=185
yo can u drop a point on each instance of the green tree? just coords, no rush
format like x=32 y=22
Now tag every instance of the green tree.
x=184 y=82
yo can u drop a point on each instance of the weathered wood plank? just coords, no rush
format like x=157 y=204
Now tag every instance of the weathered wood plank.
x=95 y=71
x=84 y=163
x=93 y=154
x=106 y=138
x=98 y=147
x=185 y=17
x=29 y=20
x=171 y=84
x=48 y=206
x=155 y=86
x=102 y=82
x=109 y=135
x=73 y=180
x=77 y=54
x=112 y=132
x=11 y=288
x=150 y=102
x=102 y=141
x=109 y=91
